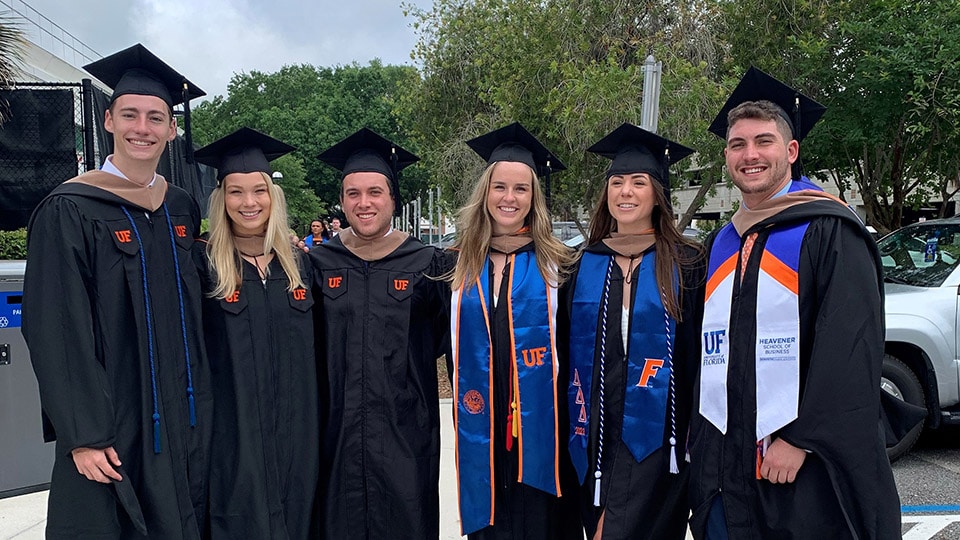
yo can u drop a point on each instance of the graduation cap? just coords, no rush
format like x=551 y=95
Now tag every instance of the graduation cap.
x=515 y=143
x=243 y=151
x=135 y=70
x=800 y=112
x=365 y=151
x=632 y=150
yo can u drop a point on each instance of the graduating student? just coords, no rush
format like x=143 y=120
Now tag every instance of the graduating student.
x=112 y=315
x=509 y=409
x=633 y=324
x=787 y=442
x=383 y=326
x=259 y=334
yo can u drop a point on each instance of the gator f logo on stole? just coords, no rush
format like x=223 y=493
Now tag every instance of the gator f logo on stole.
x=299 y=294
x=180 y=230
x=334 y=282
x=400 y=284
x=123 y=236
x=534 y=357
x=650 y=368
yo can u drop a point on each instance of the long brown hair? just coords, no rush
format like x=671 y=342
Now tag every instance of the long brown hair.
x=669 y=242
x=475 y=228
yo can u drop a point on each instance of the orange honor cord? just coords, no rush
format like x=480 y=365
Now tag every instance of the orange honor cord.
x=551 y=320
x=759 y=458
x=486 y=320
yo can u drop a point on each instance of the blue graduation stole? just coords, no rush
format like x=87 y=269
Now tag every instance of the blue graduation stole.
x=650 y=341
x=533 y=306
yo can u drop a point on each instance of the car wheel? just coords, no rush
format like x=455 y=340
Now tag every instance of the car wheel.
x=901 y=382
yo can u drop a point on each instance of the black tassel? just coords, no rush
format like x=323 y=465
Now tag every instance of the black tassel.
x=395 y=183
x=186 y=123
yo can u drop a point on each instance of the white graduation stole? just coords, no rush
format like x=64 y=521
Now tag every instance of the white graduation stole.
x=777 y=348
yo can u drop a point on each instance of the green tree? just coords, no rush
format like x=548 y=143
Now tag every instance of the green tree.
x=312 y=108
x=889 y=72
x=303 y=205
x=570 y=70
x=11 y=56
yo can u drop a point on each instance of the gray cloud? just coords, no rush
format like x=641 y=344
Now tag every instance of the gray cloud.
x=211 y=40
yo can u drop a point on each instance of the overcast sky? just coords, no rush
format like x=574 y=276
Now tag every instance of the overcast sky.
x=210 y=40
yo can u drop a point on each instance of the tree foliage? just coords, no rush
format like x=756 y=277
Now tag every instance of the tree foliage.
x=569 y=70
x=312 y=108
x=888 y=72
x=11 y=55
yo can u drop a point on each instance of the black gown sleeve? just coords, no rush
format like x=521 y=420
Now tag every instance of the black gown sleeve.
x=58 y=325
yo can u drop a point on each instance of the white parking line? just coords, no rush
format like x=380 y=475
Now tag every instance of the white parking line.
x=926 y=527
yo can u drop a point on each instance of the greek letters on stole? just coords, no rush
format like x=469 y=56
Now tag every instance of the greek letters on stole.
x=777 y=347
x=533 y=312
x=648 y=366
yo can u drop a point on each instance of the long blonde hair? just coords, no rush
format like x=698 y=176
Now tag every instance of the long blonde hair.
x=223 y=255
x=475 y=227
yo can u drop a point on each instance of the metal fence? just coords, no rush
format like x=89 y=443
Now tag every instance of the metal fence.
x=43 y=143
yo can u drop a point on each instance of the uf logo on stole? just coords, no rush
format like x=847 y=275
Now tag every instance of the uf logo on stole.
x=712 y=341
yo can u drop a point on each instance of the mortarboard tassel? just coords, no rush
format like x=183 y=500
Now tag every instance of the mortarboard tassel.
x=186 y=123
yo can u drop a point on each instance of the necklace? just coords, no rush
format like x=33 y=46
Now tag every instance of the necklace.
x=260 y=271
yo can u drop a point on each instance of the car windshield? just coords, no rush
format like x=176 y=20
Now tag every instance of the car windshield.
x=922 y=255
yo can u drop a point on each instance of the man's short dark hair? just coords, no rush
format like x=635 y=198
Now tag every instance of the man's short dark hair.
x=760 y=110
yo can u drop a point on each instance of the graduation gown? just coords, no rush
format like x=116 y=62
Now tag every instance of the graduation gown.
x=639 y=500
x=86 y=321
x=383 y=325
x=521 y=511
x=845 y=487
x=266 y=452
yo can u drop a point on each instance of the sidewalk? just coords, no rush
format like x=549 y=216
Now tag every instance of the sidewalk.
x=24 y=517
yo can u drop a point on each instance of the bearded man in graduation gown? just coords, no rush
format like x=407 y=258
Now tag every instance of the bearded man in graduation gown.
x=383 y=327
x=787 y=442
x=111 y=312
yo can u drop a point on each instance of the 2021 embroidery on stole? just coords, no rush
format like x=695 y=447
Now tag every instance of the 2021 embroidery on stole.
x=648 y=366
x=532 y=306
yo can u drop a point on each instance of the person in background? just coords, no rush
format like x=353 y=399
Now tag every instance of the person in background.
x=383 y=326
x=786 y=442
x=334 y=227
x=318 y=234
x=632 y=320
x=111 y=314
x=509 y=408
x=265 y=455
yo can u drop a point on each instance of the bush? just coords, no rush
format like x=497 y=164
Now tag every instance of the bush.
x=13 y=244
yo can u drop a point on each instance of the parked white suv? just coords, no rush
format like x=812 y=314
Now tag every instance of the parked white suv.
x=922 y=292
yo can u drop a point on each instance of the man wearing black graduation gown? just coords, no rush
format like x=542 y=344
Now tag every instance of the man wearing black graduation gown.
x=794 y=308
x=383 y=326
x=111 y=312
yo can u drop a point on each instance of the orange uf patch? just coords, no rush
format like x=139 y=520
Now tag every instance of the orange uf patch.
x=401 y=284
x=334 y=282
x=181 y=230
x=473 y=402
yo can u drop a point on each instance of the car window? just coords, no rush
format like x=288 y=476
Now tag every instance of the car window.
x=922 y=255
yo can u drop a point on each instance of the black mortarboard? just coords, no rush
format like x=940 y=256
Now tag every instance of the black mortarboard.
x=135 y=70
x=635 y=150
x=515 y=143
x=243 y=151
x=365 y=151
x=800 y=112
